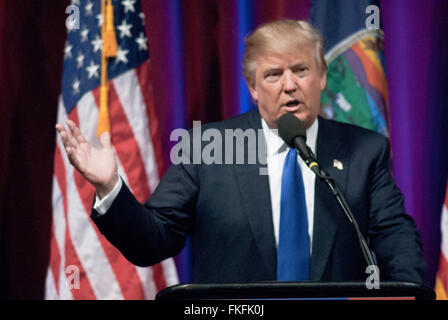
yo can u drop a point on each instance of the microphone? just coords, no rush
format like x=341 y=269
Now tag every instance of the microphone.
x=293 y=132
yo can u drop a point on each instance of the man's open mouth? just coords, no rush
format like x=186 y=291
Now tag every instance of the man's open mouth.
x=292 y=103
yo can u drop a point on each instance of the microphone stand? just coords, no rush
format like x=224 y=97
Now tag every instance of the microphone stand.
x=329 y=181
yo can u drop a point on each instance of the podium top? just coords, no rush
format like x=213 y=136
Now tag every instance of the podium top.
x=297 y=290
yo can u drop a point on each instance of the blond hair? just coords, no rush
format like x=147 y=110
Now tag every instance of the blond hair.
x=281 y=36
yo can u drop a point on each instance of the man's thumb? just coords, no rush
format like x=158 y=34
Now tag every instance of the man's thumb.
x=105 y=140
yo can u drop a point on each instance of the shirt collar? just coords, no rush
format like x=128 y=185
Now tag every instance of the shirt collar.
x=275 y=144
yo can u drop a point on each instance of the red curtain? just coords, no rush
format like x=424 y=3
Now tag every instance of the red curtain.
x=32 y=38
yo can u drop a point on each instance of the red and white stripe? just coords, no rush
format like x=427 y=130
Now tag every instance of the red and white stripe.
x=103 y=272
x=442 y=272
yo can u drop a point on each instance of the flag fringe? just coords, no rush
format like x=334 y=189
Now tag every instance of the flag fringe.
x=109 y=49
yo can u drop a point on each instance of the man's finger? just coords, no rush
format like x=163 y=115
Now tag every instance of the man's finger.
x=105 y=140
x=76 y=132
x=74 y=143
x=61 y=130
x=59 y=127
x=65 y=137
x=71 y=155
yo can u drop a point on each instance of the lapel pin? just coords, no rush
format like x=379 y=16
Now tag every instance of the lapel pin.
x=338 y=164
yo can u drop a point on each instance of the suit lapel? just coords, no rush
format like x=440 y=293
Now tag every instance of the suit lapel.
x=256 y=198
x=333 y=157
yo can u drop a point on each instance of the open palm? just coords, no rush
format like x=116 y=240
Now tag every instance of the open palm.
x=98 y=166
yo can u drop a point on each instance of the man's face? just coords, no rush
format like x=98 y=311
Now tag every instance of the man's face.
x=289 y=82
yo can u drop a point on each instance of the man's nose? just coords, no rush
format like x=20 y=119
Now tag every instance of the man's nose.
x=289 y=83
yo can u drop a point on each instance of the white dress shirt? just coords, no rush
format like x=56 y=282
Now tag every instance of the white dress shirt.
x=102 y=205
x=276 y=151
x=276 y=155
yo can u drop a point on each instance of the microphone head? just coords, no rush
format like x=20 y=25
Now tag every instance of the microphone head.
x=290 y=127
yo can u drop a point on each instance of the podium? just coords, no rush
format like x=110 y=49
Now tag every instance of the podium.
x=298 y=291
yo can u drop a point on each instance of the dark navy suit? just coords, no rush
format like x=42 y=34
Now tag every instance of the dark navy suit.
x=227 y=211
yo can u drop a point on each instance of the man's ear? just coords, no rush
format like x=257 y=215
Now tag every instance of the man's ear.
x=323 y=81
x=253 y=91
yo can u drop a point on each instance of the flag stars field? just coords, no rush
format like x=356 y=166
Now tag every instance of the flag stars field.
x=142 y=42
x=89 y=8
x=128 y=5
x=125 y=29
x=93 y=70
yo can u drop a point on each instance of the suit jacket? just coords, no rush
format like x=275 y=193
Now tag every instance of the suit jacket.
x=227 y=211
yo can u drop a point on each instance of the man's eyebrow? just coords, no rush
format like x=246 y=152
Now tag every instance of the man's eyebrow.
x=272 y=69
x=276 y=68
x=299 y=64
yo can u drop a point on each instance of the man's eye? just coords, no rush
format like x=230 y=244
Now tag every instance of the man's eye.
x=272 y=76
x=302 y=70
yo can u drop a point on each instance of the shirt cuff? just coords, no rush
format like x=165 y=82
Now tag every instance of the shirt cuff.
x=103 y=205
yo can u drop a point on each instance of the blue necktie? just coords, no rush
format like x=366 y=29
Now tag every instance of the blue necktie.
x=293 y=253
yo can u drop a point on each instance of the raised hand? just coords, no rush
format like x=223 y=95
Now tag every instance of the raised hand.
x=98 y=166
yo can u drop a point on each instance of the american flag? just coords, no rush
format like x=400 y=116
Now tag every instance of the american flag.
x=83 y=264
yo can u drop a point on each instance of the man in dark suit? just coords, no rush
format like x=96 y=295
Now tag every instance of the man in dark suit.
x=234 y=213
